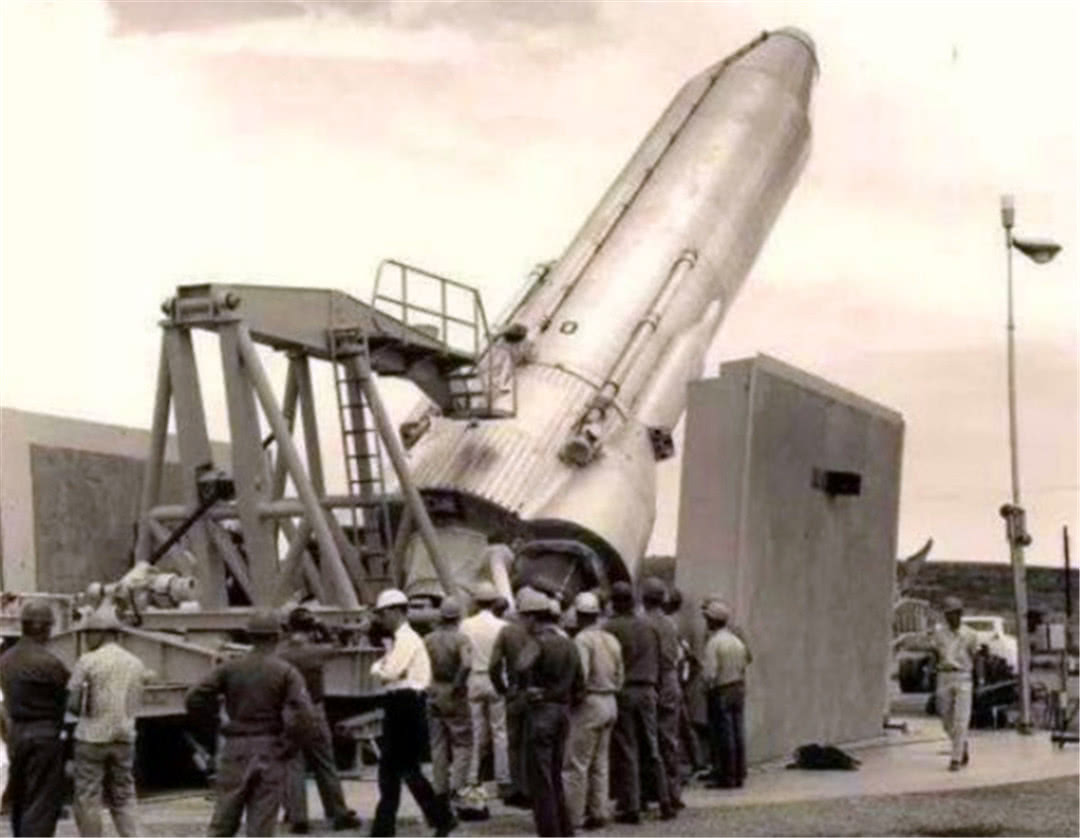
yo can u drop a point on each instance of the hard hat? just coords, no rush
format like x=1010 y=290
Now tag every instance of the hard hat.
x=264 y=623
x=36 y=611
x=391 y=598
x=622 y=592
x=587 y=603
x=102 y=621
x=717 y=609
x=531 y=601
x=523 y=592
x=653 y=590
x=450 y=609
x=952 y=603
x=554 y=606
x=485 y=592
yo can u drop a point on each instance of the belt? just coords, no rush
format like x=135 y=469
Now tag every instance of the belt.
x=641 y=683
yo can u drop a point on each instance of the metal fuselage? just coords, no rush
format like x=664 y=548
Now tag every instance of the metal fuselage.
x=620 y=324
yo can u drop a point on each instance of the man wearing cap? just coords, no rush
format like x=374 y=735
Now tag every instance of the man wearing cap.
x=105 y=691
x=634 y=737
x=550 y=671
x=448 y=708
x=270 y=716
x=306 y=646
x=724 y=672
x=512 y=640
x=668 y=693
x=34 y=684
x=405 y=674
x=487 y=707
x=955 y=646
x=585 y=767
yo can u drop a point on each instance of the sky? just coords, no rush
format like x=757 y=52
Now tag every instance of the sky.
x=149 y=144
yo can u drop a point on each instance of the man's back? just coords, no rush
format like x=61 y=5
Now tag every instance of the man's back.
x=448 y=648
x=726 y=658
x=34 y=683
x=668 y=648
x=112 y=681
x=481 y=630
x=640 y=648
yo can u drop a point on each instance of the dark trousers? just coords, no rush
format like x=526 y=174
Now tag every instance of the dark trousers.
x=36 y=781
x=634 y=738
x=516 y=714
x=667 y=737
x=250 y=784
x=547 y=726
x=318 y=755
x=402 y=749
x=689 y=746
x=727 y=735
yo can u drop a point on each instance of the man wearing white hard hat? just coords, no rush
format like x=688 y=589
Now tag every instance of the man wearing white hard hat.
x=405 y=673
x=955 y=647
x=585 y=766
x=487 y=707
x=724 y=670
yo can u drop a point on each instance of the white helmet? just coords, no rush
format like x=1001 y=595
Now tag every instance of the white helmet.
x=587 y=603
x=391 y=598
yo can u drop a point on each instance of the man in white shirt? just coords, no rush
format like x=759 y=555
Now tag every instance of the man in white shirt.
x=405 y=673
x=105 y=691
x=955 y=647
x=487 y=708
x=724 y=671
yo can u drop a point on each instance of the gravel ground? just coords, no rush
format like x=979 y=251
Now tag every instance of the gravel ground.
x=1047 y=807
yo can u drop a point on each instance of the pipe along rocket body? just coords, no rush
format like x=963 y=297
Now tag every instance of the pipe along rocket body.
x=606 y=340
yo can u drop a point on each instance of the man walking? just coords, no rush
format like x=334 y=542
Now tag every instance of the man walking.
x=585 y=769
x=105 y=691
x=635 y=728
x=668 y=692
x=550 y=669
x=512 y=640
x=308 y=657
x=270 y=717
x=34 y=684
x=955 y=646
x=448 y=710
x=486 y=707
x=724 y=672
x=405 y=673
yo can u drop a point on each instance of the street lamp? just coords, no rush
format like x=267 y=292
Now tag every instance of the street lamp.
x=1039 y=251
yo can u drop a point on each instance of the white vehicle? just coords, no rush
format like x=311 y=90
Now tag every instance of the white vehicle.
x=991 y=632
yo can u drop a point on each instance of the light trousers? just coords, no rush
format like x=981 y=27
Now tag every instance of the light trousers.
x=953 y=703
x=586 y=760
x=487 y=710
x=105 y=771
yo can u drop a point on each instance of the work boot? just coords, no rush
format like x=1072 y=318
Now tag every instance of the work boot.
x=346 y=820
x=299 y=828
x=954 y=765
x=593 y=823
x=628 y=817
x=966 y=759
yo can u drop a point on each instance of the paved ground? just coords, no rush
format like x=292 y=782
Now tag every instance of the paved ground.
x=1016 y=785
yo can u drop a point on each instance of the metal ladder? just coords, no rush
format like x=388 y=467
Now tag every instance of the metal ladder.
x=362 y=450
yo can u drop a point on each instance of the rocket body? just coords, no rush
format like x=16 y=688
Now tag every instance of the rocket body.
x=620 y=324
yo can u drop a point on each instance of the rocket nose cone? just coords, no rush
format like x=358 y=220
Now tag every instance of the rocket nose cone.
x=789 y=56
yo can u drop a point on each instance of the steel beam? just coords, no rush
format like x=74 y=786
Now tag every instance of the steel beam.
x=408 y=489
x=328 y=552
x=233 y=559
x=249 y=465
x=282 y=508
x=159 y=429
x=194 y=444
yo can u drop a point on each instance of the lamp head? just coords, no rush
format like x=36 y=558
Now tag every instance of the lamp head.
x=1040 y=251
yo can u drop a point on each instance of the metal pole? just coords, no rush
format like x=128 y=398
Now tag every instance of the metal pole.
x=1068 y=590
x=401 y=467
x=1016 y=549
x=328 y=552
x=159 y=429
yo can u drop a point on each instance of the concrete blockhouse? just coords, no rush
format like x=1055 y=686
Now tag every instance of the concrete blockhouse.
x=789 y=506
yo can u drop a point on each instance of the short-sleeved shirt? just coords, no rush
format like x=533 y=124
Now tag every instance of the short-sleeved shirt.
x=725 y=659
x=512 y=639
x=407 y=665
x=640 y=646
x=956 y=649
x=264 y=696
x=34 y=682
x=481 y=630
x=111 y=680
x=601 y=660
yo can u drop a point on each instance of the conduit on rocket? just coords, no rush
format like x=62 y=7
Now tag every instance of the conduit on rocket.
x=606 y=340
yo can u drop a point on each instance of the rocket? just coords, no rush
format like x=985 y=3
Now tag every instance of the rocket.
x=602 y=343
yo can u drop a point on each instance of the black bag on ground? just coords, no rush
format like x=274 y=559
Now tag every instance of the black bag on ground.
x=823 y=758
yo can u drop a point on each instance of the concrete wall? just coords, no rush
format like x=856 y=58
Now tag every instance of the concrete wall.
x=810 y=576
x=70 y=499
